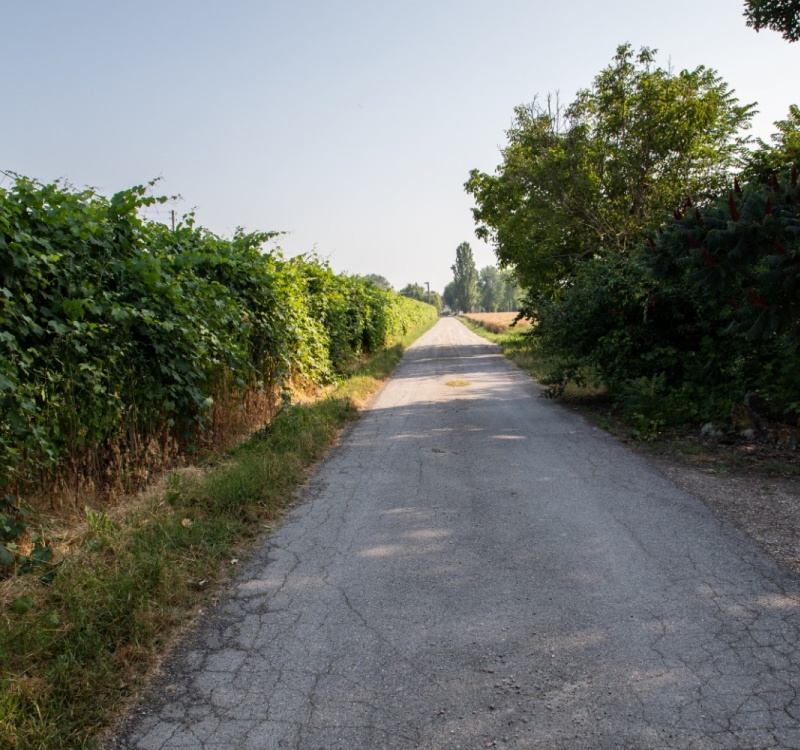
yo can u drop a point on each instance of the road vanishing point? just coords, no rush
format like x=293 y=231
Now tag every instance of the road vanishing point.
x=474 y=566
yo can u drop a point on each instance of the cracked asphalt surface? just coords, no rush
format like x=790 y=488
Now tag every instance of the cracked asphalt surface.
x=476 y=567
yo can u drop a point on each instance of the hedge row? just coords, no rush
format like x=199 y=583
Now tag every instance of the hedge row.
x=118 y=333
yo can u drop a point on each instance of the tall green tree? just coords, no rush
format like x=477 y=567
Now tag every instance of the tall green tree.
x=586 y=179
x=465 y=278
x=449 y=295
x=779 y=15
x=511 y=292
x=490 y=288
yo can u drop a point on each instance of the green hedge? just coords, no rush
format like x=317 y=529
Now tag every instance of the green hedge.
x=114 y=329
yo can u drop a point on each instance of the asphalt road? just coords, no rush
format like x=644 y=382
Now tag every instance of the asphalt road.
x=477 y=565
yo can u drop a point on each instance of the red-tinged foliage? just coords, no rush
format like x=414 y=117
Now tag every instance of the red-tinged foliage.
x=732 y=206
x=779 y=246
x=727 y=320
x=782 y=16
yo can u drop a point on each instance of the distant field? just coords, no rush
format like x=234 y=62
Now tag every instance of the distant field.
x=497 y=322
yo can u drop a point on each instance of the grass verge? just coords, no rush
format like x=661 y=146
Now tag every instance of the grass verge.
x=74 y=651
x=517 y=347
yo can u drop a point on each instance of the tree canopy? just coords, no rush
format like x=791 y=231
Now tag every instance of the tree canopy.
x=415 y=291
x=782 y=153
x=380 y=281
x=490 y=288
x=419 y=292
x=586 y=179
x=779 y=15
x=497 y=290
x=449 y=295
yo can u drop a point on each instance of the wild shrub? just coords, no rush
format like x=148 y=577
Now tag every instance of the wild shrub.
x=614 y=322
x=683 y=328
x=120 y=338
x=739 y=256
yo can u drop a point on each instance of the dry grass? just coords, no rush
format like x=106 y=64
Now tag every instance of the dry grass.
x=114 y=478
x=498 y=322
x=237 y=412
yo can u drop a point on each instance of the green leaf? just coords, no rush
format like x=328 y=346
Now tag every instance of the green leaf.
x=58 y=327
x=6 y=556
x=41 y=554
x=22 y=605
x=6 y=384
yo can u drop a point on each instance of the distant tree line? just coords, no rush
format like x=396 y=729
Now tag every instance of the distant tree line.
x=421 y=293
x=487 y=290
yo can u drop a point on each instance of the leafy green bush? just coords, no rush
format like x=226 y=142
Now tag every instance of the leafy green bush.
x=742 y=252
x=614 y=322
x=683 y=328
x=351 y=310
x=115 y=332
x=740 y=257
x=111 y=328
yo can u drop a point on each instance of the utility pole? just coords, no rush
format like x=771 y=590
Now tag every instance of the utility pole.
x=172 y=215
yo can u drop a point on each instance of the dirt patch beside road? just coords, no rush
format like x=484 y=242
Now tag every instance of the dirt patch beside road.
x=762 y=504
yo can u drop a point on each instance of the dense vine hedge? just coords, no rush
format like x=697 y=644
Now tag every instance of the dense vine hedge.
x=116 y=332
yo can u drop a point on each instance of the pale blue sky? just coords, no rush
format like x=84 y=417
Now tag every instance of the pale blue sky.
x=352 y=126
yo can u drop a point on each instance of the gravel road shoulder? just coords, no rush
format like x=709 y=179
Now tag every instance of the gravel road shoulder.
x=764 y=506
